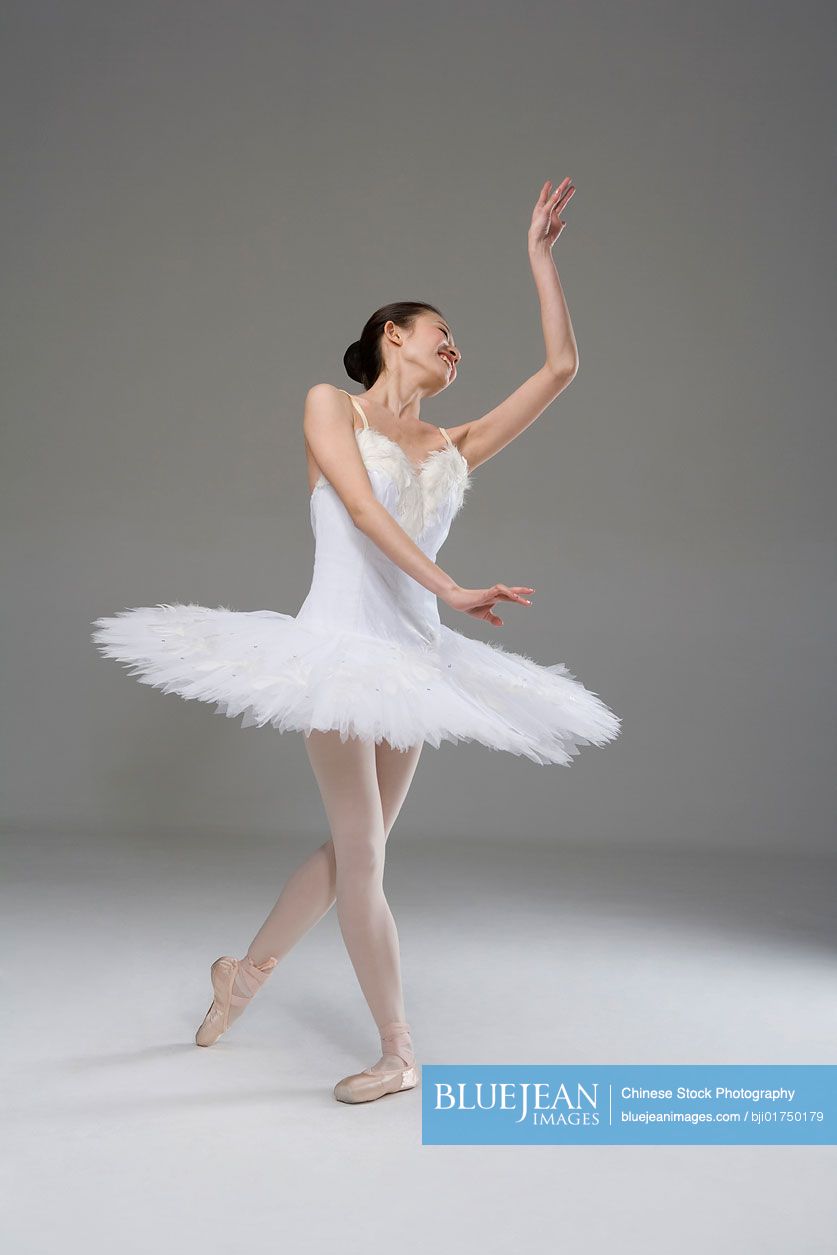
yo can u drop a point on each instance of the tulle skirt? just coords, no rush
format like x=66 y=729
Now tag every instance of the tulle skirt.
x=274 y=670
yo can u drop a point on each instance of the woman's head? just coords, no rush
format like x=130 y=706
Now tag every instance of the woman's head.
x=405 y=333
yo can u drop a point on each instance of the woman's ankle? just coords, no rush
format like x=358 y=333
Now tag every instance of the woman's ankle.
x=266 y=964
x=396 y=1039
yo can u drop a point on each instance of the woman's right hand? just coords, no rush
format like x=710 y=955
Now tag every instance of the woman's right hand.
x=479 y=602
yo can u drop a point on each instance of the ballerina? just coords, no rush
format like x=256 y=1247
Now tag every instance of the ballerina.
x=365 y=670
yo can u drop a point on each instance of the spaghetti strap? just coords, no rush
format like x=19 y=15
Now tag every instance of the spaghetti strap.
x=357 y=405
x=447 y=437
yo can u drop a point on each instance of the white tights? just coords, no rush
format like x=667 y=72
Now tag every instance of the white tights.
x=363 y=786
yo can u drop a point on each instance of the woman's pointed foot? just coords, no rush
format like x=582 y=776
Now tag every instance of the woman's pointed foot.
x=395 y=1071
x=234 y=983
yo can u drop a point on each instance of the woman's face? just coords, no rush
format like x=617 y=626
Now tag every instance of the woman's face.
x=432 y=350
x=440 y=343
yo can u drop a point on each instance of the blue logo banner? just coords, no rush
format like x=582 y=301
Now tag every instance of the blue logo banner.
x=615 y=1104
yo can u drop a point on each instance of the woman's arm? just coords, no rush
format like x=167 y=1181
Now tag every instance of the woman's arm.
x=547 y=225
x=482 y=439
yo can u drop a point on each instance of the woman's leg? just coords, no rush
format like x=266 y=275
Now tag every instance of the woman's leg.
x=346 y=773
x=307 y=896
x=311 y=891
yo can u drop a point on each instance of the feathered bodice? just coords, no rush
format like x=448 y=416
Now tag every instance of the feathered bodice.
x=418 y=499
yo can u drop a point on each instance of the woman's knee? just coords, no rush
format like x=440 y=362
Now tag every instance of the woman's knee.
x=360 y=860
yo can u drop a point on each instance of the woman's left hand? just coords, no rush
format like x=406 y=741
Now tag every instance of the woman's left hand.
x=547 y=223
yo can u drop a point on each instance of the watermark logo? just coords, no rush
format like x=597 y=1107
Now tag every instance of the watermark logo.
x=613 y=1104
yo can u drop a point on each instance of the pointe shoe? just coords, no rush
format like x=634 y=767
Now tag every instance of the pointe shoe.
x=395 y=1070
x=234 y=982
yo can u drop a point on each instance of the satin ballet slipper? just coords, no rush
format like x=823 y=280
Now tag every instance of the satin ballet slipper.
x=234 y=983
x=395 y=1070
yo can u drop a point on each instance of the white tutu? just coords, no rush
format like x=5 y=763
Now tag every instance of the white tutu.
x=366 y=655
x=270 y=669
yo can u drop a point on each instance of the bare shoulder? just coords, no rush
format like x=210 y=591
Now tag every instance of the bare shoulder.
x=327 y=411
x=325 y=406
x=328 y=425
x=324 y=394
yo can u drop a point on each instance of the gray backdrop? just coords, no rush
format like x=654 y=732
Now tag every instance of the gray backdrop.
x=203 y=204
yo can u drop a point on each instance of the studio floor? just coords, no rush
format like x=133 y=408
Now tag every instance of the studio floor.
x=121 y=1134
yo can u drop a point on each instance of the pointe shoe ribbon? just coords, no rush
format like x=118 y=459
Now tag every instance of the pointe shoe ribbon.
x=224 y=972
x=395 y=1071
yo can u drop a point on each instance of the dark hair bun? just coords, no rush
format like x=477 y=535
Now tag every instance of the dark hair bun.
x=353 y=362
